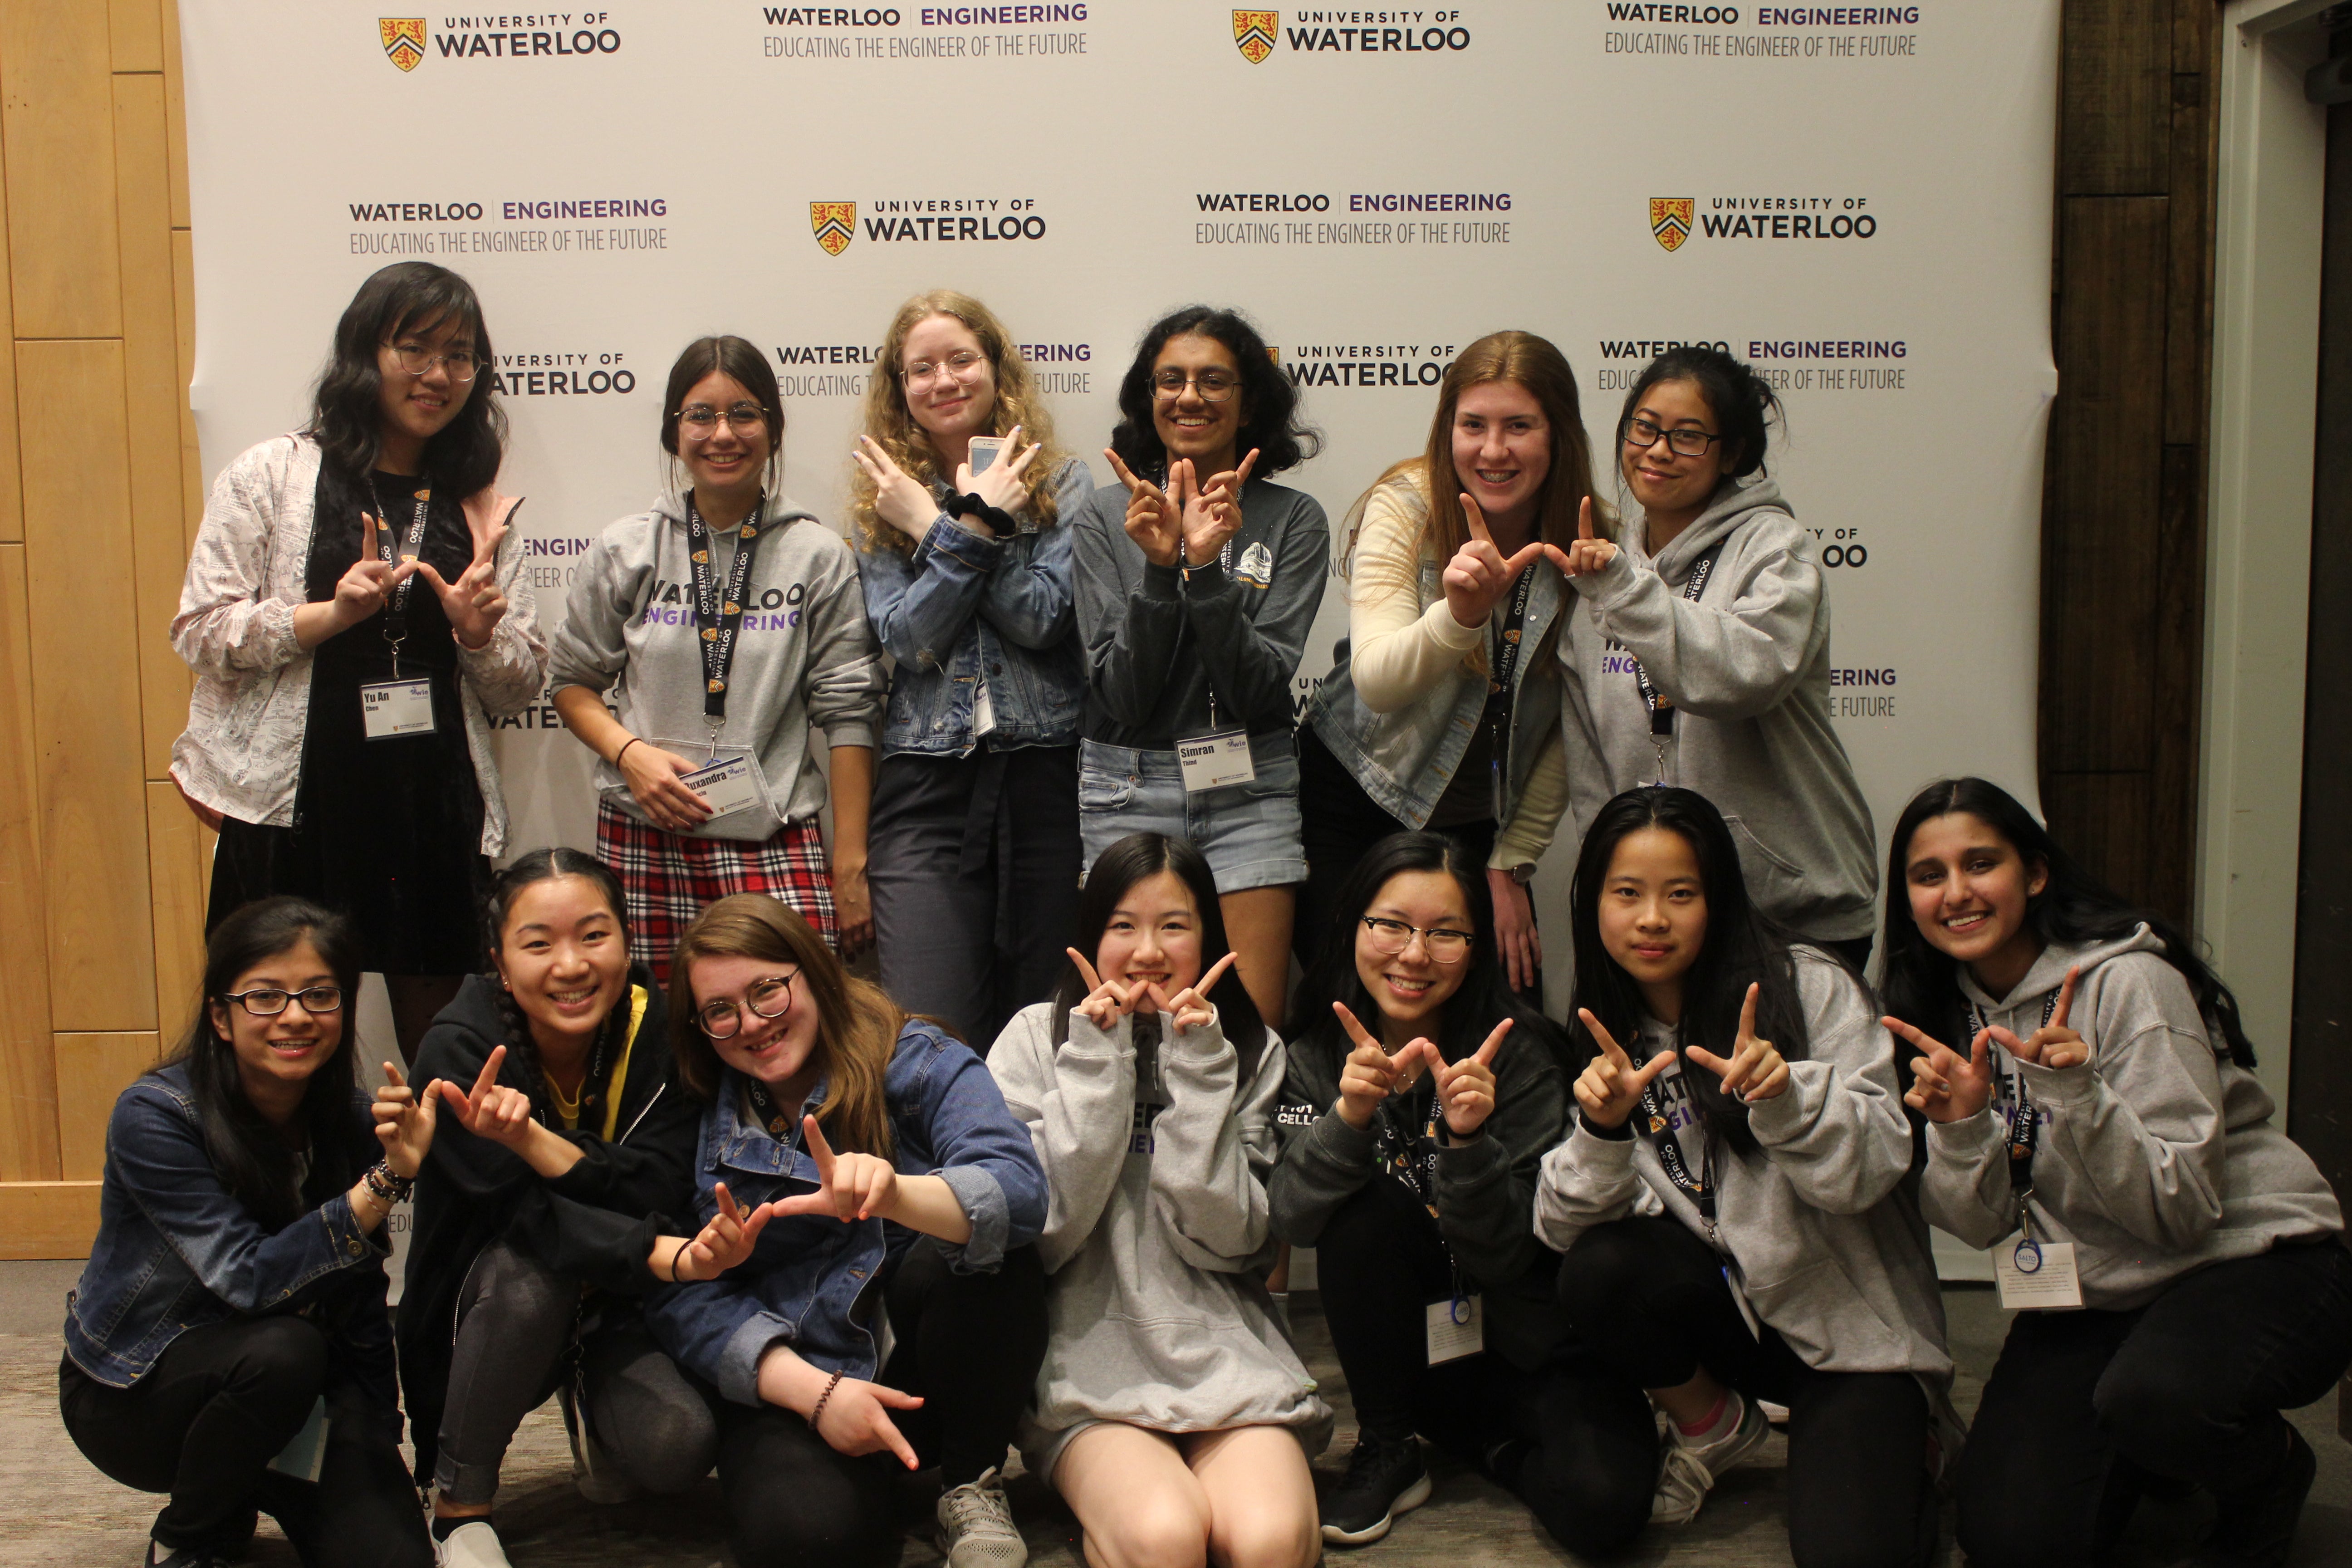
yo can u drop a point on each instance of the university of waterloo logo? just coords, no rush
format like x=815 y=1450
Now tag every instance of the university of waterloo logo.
x=835 y=224
x=403 y=40
x=1254 y=33
x=1670 y=220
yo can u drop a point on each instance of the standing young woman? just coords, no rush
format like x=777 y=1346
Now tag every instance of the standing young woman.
x=1791 y=1263
x=1171 y=1413
x=727 y=622
x=1443 y=709
x=903 y=1199
x=2106 y=1116
x=1702 y=655
x=541 y=1217
x=1421 y=1100
x=237 y=1277
x=1196 y=588
x=973 y=847
x=339 y=733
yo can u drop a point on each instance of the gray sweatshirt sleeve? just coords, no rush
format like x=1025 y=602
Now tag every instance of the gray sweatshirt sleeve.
x=1130 y=636
x=1079 y=1105
x=1211 y=1146
x=1966 y=1187
x=1250 y=661
x=1487 y=1187
x=1735 y=659
x=1837 y=1133
x=589 y=648
x=2141 y=1120
x=844 y=685
x=1588 y=1180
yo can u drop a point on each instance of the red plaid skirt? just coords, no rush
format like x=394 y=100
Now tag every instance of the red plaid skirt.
x=670 y=878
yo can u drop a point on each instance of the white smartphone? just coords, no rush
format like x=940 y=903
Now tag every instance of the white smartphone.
x=985 y=450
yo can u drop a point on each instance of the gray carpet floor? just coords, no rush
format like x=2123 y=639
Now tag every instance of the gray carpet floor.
x=56 y=1511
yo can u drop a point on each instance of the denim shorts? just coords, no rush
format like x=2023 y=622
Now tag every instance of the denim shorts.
x=1250 y=833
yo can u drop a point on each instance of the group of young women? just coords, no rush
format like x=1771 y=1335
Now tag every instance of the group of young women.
x=738 y=1208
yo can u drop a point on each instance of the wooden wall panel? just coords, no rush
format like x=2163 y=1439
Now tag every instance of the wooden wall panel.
x=92 y=1069
x=179 y=856
x=192 y=465
x=56 y=131
x=47 y=1219
x=78 y=574
x=2115 y=69
x=28 y=1087
x=135 y=33
x=12 y=509
x=175 y=109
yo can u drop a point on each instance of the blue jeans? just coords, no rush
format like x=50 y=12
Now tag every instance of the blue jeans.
x=1249 y=833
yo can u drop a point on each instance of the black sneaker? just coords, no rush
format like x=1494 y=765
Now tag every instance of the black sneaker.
x=2253 y=1529
x=1383 y=1480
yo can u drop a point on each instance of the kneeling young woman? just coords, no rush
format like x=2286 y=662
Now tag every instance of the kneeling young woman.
x=1419 y=1107
x=1171 y=1413
x=902 y=1200
x=2104 y=1136
x=1791 y=1263
x=228 y=1341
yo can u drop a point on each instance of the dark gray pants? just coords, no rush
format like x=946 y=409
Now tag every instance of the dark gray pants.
x=973 y=863
x=516 y=1319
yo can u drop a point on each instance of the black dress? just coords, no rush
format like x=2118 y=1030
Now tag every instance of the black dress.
x=386 y=831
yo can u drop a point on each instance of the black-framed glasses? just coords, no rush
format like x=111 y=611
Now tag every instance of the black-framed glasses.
x=1209 y=386
x=702 y=422
x=1684 y=442
x=416 y=360
x=770 y=996
x=268 y=1001
x=959 y=364
x=1442 y=944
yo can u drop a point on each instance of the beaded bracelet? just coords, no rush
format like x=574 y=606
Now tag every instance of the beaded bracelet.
x=381 y=1182
x=817 y=1414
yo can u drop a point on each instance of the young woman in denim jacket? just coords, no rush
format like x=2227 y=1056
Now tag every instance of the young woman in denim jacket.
x=895 y=1284
x=238 y=1278
x=972 y=846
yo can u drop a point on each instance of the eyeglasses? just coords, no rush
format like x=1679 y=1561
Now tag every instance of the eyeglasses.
x=771 y=997
x=1209 y=386
x=958 y=364
x=1641 y=434
x=702 y=421
x=1444 y=946
x=416 y=360
x=267 y=1001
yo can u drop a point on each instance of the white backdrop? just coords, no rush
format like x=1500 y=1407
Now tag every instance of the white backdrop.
x=1868 y=195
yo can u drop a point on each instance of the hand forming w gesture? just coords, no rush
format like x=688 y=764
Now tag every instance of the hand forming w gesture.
x=850 y=1186
x=1466 y=1088
x=2055 y=1045
x=1588 y=555
x=722 y=1244
x=490 y=1110
x=1106 y=1001
x=1947 y=1087
x=1611 y=1086
x=405 y=1122
x=1191 y=1007
x=474 y=603
x=1371 y=1074
x=1756 y=1070
x=363 y=588
x=1479 y=576
x=1153 y=521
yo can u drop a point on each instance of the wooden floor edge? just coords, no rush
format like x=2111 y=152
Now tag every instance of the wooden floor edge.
x=47 y=1219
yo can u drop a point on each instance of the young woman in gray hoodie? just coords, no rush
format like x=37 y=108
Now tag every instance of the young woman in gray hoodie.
x=1734 y=1208
x=1171 y=1412
x=2104 y=1124
x=1701 y=654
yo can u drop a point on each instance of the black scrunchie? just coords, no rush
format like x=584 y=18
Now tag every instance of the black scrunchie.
x=995 y=517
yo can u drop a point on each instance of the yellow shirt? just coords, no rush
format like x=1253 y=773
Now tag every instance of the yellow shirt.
x=568 y=1109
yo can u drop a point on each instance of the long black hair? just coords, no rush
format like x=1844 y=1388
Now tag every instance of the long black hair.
x=1485 y=997
x=1121 y=867
x=254 y=1159
x=522 y=1050
x=1921 y=983
x=1743 y=946
x=1269 y=420
x=347 y=410
x=1743 y=402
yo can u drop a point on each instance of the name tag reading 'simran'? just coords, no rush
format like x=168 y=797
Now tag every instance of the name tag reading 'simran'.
x=1212 y=761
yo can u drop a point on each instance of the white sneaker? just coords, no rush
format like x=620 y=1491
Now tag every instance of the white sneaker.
x=471 y=1545
x=976 y=1528
x=1689 y=1469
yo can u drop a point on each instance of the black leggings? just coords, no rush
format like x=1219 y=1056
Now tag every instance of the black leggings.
x=210 y=1413
x=2084 y=1409
x=1652 y=1297
x=1590 y=1452
x=970 y=1344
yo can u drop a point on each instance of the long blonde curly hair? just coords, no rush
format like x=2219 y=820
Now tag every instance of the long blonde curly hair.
x=893 y=429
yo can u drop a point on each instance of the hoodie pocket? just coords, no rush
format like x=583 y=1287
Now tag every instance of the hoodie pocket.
x=1774 y=883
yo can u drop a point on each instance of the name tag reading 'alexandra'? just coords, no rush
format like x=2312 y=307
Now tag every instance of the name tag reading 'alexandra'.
x=729 y=786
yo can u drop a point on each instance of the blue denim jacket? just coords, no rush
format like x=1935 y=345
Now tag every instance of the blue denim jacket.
x=176 y=1251
x=807 y=1271
x=963 y=606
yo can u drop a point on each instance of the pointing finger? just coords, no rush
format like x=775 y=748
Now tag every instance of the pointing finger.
x=1584 y=517
x=1652 y=1068
x=1608 y=1042
x=1486 y=1056
x=1085 y=970
x=1525 y=558
x=2065 y=998
x=1241 y=474
x=1748 y=1013
x=1125 y=477
x=392 y=1076
x=819 y=1149
x=1356 y=1031
x=727 y=1204
x=488 y=1079
x=1477 y=520
x=1216 y=973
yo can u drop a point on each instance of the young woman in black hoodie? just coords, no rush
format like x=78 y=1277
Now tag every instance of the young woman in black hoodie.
x=542 y=1214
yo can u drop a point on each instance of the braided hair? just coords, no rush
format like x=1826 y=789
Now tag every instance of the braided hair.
x=522 y=1049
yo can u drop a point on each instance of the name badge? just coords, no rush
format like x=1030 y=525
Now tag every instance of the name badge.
x=393 y=708
x=1457 y=1328
x=1212 y=761
x=729 y=786
x=2037 y=1274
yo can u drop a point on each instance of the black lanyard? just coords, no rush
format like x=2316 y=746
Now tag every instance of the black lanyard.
x=1658 y=1128
x=396 y=603
x=1662 y=712
x=2024 y=1121
x=765 y=1110
x=718 y=621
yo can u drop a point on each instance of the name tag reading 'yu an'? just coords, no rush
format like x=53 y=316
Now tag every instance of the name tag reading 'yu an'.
x=729 y=786
x=1212 y=761
x=394 y=707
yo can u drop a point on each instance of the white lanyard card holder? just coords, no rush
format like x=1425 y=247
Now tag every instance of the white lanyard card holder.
x=391 y=709
x=1456 y=1328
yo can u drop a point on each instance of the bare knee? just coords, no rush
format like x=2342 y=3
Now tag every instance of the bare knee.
x=1163 y=1532
x=1268 y=1540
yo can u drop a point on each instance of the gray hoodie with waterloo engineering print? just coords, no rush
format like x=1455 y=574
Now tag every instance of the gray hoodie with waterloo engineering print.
x=2156 y=1156
x=1747 y=667
x=804 y=657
